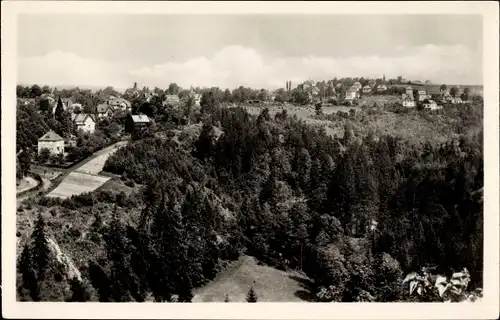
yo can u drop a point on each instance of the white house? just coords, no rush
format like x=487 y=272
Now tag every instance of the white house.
x=431 y=105
x=85 y=122
x=51 y=141
x=408 y=101
x=381 y=88
x=351 y=94
x=171 y=99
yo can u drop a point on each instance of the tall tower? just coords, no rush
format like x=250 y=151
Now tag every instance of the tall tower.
x=383 y=78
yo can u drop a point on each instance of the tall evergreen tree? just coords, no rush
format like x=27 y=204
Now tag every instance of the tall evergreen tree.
x=41 y=250
x=27 y=269
x=78 y=291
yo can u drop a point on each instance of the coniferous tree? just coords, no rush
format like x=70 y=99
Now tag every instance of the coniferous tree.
x=226 y=298
x=78 y=291
x=186 y=290
x=252 y=295
x=28 y=272
x=41 y=250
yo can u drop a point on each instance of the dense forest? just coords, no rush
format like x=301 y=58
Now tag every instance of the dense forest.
x=355 y=213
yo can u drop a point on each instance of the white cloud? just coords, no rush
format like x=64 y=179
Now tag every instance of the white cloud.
x=236 y=65
x=65 y=68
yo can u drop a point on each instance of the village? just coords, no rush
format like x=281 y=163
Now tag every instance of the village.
x=332 y=93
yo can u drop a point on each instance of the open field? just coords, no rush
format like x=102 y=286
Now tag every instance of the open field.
x=77 y=183
x=270 y=284
x=97 y=163
x=84 y=178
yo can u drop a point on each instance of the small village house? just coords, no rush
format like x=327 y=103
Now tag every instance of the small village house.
x=171 y=100
x=367 y=89
x=351 y=94
x=422 y=95
x=357 y=85
x=381 y=88
x=120 y=104
x=372 y=83
x=407 y=101
x=85 y=122
x=456 y=100
x=136 y=122
x=104 y=110
x=51 y=141
x=409 y=91
x=431 y=105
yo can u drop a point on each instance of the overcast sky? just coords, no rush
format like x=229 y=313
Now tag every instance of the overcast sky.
x=250 y=50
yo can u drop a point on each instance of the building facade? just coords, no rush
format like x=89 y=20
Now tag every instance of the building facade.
x=52 y=142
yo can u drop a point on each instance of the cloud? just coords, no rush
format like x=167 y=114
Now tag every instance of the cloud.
x=66 y=68
x=236 y=65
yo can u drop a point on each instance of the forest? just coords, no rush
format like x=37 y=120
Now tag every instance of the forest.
x=354 y=213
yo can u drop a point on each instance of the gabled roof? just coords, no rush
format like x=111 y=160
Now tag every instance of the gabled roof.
x=103 y=107
x=421 y=92
x=51 y=136
x=82 y=117
x=140 y=118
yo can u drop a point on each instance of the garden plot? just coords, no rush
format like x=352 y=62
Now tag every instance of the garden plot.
x=77 y=183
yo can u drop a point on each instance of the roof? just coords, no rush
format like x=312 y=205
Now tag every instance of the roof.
x=356 y=83
x=409 y=88
x=352 y=90
x=103 y=107
x=51 y=136
x=367 y=87
x=421 y=92
x=82 y=117
x=140 y=118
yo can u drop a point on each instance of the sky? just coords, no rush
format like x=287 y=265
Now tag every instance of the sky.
x=259 y=51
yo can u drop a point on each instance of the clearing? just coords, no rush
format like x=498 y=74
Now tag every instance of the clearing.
x=85 y=178
x=270 y=284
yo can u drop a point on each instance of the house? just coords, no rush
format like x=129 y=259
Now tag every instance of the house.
x=408 y=101
x=197 y=99
x=136 y=122
x=85 y=122
x=456 y=100
x=381 y=88
x=120 y=104
x=367 y=89
x=422 y=95
x=351 y=94
x=315 y=91
x=372 y=83
x=431 y=105
x=104 y=110
x=409 y=91
x=171 y=100
x=51 y=141
x=357 y=85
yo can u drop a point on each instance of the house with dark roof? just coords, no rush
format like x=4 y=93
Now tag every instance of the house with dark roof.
x=51 y=141
x=367 y=89
x=85 y=122
x=422 y=95
x=120 y=104
x=136 y=122
x=104 y=110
